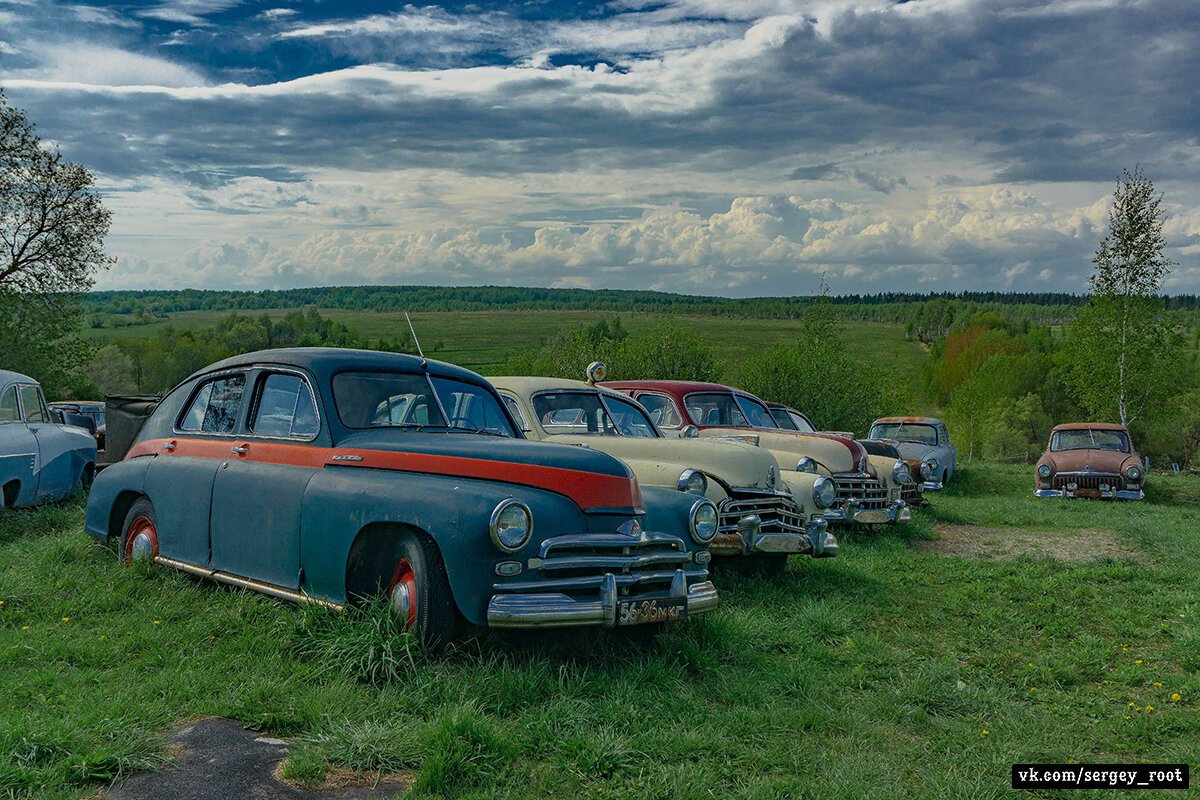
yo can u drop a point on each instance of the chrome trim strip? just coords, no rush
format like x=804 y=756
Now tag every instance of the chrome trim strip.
x=245 y=583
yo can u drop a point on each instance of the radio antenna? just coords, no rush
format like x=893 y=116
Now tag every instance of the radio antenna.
x=424 y=362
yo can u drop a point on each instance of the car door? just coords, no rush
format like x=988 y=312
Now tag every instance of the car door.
x=18 y=452
x=258 y=490
x=179 y=481
x=55 y=477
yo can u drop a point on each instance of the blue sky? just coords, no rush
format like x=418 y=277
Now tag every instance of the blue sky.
x=699 y=146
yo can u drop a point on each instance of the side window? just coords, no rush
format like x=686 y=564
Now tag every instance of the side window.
x=662 y=410
x=34 y=405
x=515 y=411
x=215 y=407
x=285 y=408
x=8 y=406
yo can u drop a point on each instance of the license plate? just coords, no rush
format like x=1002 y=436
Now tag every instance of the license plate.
x=662 y=609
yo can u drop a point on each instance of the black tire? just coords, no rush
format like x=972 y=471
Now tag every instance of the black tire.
x=139 y=533
x=420 y=576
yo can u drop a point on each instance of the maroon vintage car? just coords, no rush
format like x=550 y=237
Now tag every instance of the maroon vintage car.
x=683 y=408
x=1090 y=459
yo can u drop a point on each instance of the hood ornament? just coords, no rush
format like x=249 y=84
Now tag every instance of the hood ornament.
x=631 y=528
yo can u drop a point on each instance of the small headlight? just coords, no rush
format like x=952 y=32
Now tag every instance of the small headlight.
x=806 y=464
x=824 y=492
x=901 y=473
x=1044 y=470
x=1132 y=472
x=511 y=525
x=933 y=465
x=692 y=480
x=703 y=521
x=927 y=469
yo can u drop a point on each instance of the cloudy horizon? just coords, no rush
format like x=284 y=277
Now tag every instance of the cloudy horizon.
x=688 y=146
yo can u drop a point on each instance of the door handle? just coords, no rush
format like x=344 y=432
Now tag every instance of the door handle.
x=239 y=449
x=169 y=446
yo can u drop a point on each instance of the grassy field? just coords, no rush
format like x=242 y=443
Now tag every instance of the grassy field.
x=483 y=340
x=922 y=663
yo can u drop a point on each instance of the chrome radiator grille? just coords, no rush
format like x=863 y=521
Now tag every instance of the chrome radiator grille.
x=871 y=493
x=778 y=513
x=575 y=562
x=1089 y=480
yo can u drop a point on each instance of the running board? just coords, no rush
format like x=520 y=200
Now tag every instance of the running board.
x=245 y=583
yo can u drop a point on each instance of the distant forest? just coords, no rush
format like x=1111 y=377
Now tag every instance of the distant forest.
x=886 y=306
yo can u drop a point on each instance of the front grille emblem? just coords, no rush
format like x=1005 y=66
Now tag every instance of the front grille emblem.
x=631 y=528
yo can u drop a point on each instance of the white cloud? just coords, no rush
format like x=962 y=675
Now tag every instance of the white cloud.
x=87 y=66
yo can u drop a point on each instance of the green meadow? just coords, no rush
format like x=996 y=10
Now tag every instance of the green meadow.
x=922 y=663
x=484 y=340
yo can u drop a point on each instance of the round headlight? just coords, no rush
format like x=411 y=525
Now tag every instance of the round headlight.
x=806 y=464
x=927 y=469
x=703 y=521
x=511 y=525
x=1133 y=472
x=824 y=492
x=901 y=473
x=933 y=465
x=1044 y=470
x=692 y=480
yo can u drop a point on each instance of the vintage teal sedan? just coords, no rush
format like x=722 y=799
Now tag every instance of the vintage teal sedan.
x=40 y=460
x=327 y=475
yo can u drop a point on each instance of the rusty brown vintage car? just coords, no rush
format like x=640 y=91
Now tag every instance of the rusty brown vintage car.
x=1090 y=459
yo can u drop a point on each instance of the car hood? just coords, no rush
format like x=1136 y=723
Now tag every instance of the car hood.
x=916 y=450
x=1089 y=460
x=833 y=452
x=659 y=462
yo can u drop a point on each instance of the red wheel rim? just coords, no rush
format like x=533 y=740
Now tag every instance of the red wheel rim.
x=141 y=528
x=402 y=593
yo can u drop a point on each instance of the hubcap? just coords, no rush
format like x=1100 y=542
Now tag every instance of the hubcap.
x=404 y=594
x=142 y=542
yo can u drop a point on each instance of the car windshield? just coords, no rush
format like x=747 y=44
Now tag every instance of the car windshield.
x=904 y=432
x=590 y=413
x=1090 y=439
x=725 y=409
x=408 y=400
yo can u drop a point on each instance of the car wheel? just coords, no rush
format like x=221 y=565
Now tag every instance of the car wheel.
x=139 y=534
x=419 y=593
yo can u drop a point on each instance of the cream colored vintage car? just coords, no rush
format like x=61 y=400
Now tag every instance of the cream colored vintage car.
x=710 y=410
x=760 y=515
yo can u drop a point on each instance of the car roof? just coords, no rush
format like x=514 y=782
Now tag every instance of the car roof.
x=916 y=420
x=1083 y=426
x=529 y=385
x=673 y=387
x=324 y=361
x=8 y=376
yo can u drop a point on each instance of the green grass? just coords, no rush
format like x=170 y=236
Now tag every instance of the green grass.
x=892 y=671
x=484 y=340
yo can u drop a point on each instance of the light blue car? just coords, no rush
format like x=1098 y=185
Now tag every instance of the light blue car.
x=923 y=439
x=40 y=461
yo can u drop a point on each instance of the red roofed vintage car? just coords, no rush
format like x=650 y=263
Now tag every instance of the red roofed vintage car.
x=713 y=410
x=327 y=475
x=1090 y=459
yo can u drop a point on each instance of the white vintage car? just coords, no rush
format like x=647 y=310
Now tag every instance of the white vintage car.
x=761 y=515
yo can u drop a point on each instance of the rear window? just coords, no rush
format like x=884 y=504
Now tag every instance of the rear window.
x=214 y=408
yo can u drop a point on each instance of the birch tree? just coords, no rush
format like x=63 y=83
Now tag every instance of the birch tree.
x=1120 y=353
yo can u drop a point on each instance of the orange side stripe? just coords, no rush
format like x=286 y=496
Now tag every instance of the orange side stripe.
x=587 y=489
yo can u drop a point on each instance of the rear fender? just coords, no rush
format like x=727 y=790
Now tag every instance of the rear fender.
x=112 y=493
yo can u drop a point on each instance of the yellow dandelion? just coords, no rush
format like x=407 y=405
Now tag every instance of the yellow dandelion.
x=66 y=619
x=24 y=627
x=1175 y=698
x=1138 y=661
x=985 y=733
x=1131 y=705
x=1156 y=683
x=1149 y=708
x=155 y=622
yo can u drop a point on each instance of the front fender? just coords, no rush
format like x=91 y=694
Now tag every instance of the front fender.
x=667 y=511
x=339 y=502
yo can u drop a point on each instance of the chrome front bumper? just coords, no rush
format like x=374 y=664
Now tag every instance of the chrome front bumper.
x=1109 y=494
x=815 y=541
x=552 y=609
x=932 y=486
x=897 y=512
